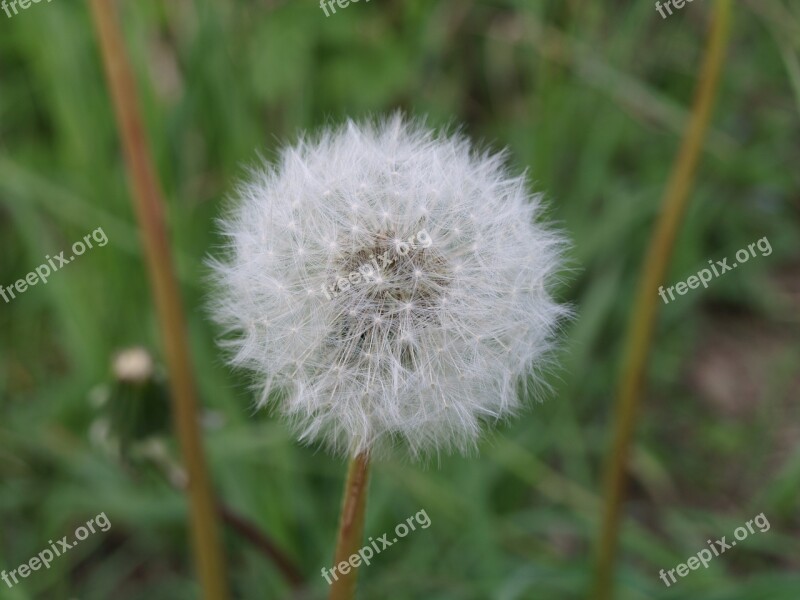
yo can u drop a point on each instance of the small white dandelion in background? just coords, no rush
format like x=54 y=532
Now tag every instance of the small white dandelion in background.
x=430 y=310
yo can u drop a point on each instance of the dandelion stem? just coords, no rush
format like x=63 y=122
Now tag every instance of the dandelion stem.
x=148 y=203
x=643 y=318
x=351 y=526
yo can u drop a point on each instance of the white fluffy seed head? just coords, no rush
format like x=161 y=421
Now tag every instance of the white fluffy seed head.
x=389 y=287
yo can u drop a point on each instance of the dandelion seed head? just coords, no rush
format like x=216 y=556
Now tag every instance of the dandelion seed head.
x=375 y=335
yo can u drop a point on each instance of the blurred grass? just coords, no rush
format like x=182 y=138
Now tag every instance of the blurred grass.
x=591 y=100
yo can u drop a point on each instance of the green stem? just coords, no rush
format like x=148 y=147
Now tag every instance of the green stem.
x=149 y=203
x=351 y=526
x=645 y=311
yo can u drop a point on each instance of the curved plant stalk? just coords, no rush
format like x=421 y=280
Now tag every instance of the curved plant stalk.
x=148 y=203
x=643 y=320
x=250 y=531
x=351 y=526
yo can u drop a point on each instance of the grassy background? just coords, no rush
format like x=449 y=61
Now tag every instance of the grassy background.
x=591 y=98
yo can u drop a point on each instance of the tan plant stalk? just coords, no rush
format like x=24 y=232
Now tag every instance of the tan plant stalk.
x=148 y=203
x=351 y=526
x=645 y=311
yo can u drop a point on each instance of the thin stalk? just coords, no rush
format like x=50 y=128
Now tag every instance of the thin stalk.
x=351 y=526
x=251 y=532
x=645 y=311
x=176 y=476
x=148 y=204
